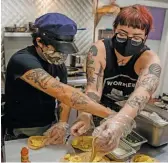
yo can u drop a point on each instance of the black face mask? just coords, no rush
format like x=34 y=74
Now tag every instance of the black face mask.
x=127 y=49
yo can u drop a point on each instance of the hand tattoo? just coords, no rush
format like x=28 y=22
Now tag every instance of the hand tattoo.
x=40 y=77
x=78 y=99
x=93 y=96
x=137 y=102
x=93 y=50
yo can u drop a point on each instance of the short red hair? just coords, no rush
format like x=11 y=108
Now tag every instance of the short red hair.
x=135 y=16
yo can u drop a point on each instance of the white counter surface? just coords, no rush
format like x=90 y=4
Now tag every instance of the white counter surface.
x=47 y=154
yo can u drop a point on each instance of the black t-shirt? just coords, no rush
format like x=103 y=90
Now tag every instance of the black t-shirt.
x=25 y=105
x=119 y=81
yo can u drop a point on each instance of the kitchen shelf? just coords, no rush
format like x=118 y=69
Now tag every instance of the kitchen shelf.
x=17 y=34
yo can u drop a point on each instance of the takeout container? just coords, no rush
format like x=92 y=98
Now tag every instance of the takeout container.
x=155 y=133
x=137 y=140
x=123 y=157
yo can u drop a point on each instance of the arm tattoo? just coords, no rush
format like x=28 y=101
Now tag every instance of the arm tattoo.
x=40 y=77
x=93 y=96
x=155 y=69
x=89 y=75
x=150 y=81
x=137 y=102
x=93 y=50
x=99 y=77
x=58 y=86
x=78 y=99
x=90 y=69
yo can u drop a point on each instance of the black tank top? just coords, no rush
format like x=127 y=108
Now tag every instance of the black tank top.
x=119 y=81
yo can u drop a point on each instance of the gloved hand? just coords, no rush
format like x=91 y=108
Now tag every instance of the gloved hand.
x=113 y=113
x=83 y=123
x=56 y=134
x=110 y=132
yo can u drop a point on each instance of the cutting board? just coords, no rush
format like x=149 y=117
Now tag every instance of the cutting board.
x=51 y=153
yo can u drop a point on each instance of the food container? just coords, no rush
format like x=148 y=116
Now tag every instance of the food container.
x=155 y=133
x=135 y=140
x=125 y=152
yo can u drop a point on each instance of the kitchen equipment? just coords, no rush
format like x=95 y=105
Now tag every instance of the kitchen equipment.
x=134 y=140
x=156 y=134
x=20 y=29
x=72 y=70
x=10 y=29
x=75 y=61
x=31 y=27
x=15 y=29
x=125 y=152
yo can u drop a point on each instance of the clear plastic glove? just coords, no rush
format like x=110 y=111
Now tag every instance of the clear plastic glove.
x=83 y=124
x=113 y=113
x=110 y=132
x=57 y=133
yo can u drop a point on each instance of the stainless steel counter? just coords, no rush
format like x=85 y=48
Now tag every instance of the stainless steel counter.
x=55 y=152
x=77 y=80
x=160 y=153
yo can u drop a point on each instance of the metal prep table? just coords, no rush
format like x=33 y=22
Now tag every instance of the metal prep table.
x=160 y=153
x=56 y=152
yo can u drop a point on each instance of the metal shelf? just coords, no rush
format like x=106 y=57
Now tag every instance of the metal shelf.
x=17 y=34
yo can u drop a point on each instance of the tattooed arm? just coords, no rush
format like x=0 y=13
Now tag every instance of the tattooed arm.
x=146 y=85
x=64 y=112
x=68 y=95
x=94 y=73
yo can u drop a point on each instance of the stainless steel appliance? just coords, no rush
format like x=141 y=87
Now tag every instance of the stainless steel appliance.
x=155 y=133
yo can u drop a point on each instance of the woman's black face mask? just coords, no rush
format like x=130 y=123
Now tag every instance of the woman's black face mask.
x=127 y=46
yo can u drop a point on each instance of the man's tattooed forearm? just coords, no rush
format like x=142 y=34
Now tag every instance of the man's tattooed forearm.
x=57 y=86
x=39 y=77
x=78 y=99
x=99 y=77
x=137 y=102
x=155 y=69
x=93 y=96
x=93 y=50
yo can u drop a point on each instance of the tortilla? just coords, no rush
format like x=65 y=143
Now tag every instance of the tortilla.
x=84 y=143
x=83 y=157
x=36 y=142
x=143 y=158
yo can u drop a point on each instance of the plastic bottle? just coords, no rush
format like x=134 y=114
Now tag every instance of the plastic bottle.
x=25 y=155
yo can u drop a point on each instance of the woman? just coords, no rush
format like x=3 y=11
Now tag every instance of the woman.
x=121 y=68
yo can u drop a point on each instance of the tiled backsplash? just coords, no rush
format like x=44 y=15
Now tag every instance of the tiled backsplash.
x=23 y=11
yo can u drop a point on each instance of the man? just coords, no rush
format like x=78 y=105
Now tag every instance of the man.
x=35 y=77
x=121 y=68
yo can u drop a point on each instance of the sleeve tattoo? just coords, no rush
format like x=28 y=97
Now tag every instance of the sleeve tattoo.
x=138 y=102
x=39 y=77
x=93 y=96
x=150 y=80
x=92 y=76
